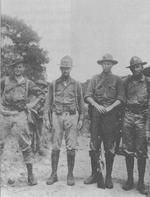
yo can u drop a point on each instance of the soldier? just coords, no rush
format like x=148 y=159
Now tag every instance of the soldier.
x=104 y=94
x=66 y=105
x=137 y=90
x=15 y=112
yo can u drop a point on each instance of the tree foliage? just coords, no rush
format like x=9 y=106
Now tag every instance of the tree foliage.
x=19 y=39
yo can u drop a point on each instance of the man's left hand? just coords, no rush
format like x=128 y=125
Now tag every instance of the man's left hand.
x=80 y=124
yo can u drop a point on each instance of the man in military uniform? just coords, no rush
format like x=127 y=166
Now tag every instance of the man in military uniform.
x=66 y=105
x=104 y=94
x=137 y=91
x=15 y=112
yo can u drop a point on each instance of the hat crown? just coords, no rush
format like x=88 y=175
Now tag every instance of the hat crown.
x=107 y=56
x=135 y=60
x=66 y=61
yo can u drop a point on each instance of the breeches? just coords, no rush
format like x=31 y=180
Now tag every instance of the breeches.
x=103 y=129
x=17 y=125
x=134 y=134
x=64 y=125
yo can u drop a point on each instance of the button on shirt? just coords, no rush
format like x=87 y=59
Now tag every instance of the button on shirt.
x=105 y=89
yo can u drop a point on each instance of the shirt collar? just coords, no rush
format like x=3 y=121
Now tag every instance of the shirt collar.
x=61 y=80
x=19 y=80
x=103 y=74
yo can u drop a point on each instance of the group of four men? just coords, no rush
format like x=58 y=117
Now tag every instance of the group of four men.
x=105 y=95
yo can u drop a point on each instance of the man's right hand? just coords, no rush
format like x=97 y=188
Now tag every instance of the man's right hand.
x=100 y=108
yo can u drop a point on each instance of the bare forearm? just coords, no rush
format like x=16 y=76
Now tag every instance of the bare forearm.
x=100 y=108
x=91 y=101
x=116 y=103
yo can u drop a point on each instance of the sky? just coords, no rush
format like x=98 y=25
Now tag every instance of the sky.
x=87 y=30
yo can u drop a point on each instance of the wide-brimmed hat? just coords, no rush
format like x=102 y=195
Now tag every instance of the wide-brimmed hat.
x=107 y=58
x=66 y=62
x=16 y=62
x=136 y=61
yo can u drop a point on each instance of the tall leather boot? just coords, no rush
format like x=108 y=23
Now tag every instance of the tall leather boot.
x=109 y=164
x=130 y=166
x=93 y=177
x=31 y=179
x=141 y=170
x=100 y=178
x=71 y=162
x=54 y=163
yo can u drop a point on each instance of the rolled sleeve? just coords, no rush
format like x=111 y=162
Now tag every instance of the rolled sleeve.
x=90 y=90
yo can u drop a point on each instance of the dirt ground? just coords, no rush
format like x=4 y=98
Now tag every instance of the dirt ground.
x=13 y=168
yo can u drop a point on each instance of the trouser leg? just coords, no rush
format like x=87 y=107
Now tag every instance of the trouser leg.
x=40 y=148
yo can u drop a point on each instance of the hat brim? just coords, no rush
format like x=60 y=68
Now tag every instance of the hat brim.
x=142 y=63
x=112 y=61
x=16 y=63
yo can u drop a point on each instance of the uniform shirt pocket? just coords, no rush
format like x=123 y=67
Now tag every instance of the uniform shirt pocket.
x=111 y=91
x=100 y=90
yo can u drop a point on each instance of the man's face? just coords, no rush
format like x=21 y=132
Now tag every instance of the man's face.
x=106 y=66
x=65 y=71
x=137 y=70
x=18 y=69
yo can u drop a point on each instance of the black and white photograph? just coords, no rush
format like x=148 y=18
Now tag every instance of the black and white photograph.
x=75 y=98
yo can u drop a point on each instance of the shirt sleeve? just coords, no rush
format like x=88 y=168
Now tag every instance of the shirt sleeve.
x=90 y=90
x=120 y=91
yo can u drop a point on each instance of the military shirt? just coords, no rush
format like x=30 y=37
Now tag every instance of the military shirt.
x=15 y=95
x=69 y=94
x=137 y=91
x=105 y=89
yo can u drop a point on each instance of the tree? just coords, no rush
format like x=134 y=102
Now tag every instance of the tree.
x=18 y=39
